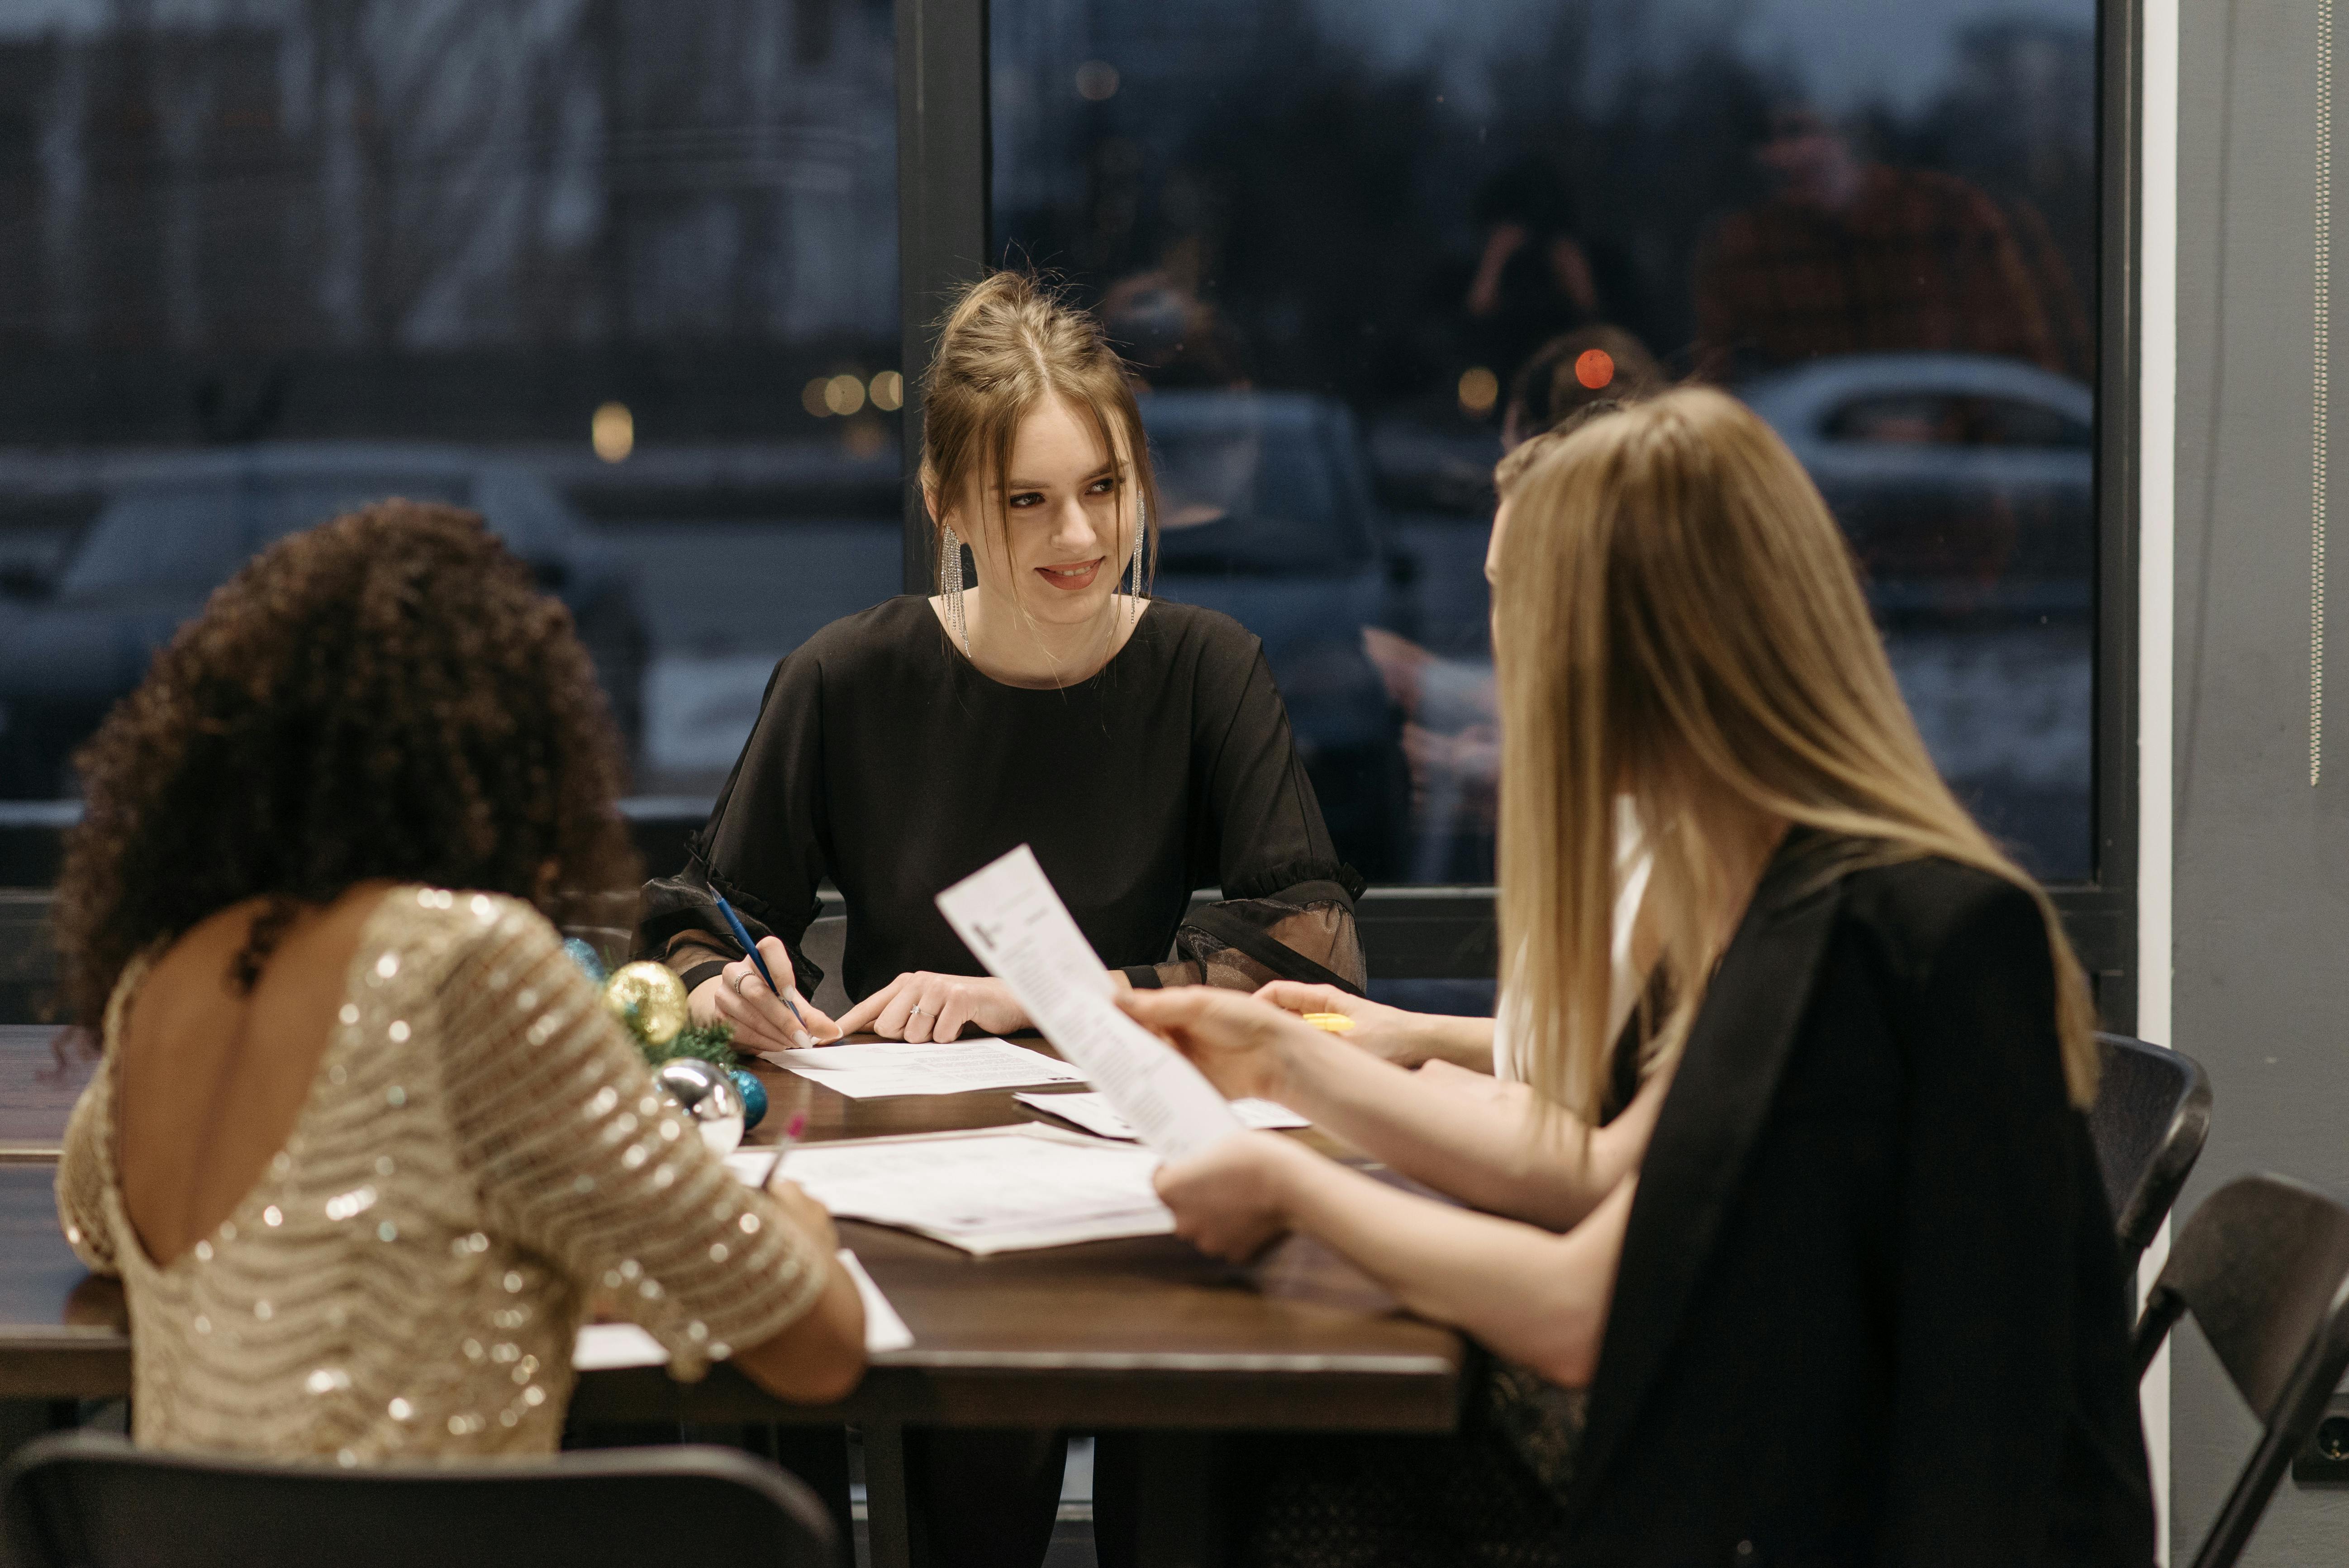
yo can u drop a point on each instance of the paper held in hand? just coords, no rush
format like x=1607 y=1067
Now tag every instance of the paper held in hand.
x=1017 y=926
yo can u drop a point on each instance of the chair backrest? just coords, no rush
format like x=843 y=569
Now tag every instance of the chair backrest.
x=2264 y=1265
x=825 y=941
x=82 y=1500
x=2151 y=1115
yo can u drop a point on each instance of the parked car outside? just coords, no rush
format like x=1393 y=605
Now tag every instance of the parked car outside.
x=1966 y=484
x=167 y=529
x=1965 y=481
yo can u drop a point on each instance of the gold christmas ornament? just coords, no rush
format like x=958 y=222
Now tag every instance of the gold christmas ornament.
x=655 y=996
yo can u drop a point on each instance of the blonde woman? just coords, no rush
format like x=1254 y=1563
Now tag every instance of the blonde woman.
x=1812 y=1263
x=1139 y=747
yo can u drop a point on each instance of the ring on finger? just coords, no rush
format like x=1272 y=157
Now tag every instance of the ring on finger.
x=915 y=1013
x=741 y=984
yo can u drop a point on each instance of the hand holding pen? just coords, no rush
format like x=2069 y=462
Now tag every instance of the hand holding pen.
x=756 y=995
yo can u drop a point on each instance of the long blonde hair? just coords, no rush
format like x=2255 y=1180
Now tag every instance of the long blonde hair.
x=1008 y=343
x=1676 y=614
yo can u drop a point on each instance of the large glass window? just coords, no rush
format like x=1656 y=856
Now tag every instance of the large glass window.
x=1355 y=248
x=621 y=275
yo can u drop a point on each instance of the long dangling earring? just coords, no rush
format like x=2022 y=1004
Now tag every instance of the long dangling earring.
x=950 y=584
x=1140 y=540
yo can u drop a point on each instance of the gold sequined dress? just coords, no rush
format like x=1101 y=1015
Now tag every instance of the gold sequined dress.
x=482 y=1150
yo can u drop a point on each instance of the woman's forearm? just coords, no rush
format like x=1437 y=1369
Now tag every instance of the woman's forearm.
x=1463 y=1042
x=1505 y=1153
x=1536 y=1298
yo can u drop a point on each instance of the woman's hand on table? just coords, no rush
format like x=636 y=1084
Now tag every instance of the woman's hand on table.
x=1232 y=1200
x=761 y=1021
x=921 y=1007
x=1390 y=1034
x=1245 y=1047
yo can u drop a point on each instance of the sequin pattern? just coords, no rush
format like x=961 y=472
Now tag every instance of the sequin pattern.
x=405 y=1282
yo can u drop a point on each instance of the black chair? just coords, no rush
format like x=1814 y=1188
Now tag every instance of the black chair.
x=81 y=1500
x=2264 y=1265
x=2152 y=1113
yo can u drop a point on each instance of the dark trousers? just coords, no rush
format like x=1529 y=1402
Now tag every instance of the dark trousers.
x=988 y=1498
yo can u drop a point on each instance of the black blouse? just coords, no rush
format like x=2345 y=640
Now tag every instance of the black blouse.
x=884 y=760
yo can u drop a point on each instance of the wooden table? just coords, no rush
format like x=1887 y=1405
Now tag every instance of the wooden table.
x=1143 y=1335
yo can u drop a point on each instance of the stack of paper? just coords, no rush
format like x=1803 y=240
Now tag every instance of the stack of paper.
x=1094 y=1113
x=947 y=1067
x=999 y=1190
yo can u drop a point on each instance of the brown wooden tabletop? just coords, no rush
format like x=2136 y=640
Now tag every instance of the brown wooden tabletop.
x=1143 y=1334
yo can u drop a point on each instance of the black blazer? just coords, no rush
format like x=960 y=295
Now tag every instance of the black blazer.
x=1871 y=1309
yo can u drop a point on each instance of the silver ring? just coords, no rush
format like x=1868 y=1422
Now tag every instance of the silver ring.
x=740 y=982
x=915 y=1013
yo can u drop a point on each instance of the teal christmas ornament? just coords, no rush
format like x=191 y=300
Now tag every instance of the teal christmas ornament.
x=754 y=1096
x=584 y=956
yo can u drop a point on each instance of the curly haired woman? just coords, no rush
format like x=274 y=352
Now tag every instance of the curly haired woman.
x=364 y=1139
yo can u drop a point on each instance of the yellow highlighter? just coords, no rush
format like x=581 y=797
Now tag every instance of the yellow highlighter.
x=1334 y=1023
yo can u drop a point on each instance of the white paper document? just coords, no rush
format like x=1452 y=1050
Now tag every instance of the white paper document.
x=1094 y=1113
x=603 y=1345
x=1017 y=926
x=998 y=1190
x=948 y=1067
x=883 y=1329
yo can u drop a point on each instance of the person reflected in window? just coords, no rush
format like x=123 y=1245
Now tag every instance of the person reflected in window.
x=1798 y=1152
x=1849 y=256
x=365 y=1144
x=1593 y=365
x=1139 y=747
x=1538 y=271
x=1450 y=740
x=1170 y=338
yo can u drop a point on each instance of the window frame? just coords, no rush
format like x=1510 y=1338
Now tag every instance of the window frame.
x=944 y=168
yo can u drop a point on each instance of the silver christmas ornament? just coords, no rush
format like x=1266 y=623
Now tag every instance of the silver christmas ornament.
x=708 y=1096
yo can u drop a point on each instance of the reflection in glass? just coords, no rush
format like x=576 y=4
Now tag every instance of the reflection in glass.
x=1874 y=223
x=1267 y=514
x=568 y=265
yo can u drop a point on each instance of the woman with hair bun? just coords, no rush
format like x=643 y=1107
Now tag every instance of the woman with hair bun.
x=364 y=1139
x=1139 y=747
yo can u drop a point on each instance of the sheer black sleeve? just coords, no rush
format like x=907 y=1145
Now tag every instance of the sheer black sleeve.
x=762 y=847
x=1288 y=913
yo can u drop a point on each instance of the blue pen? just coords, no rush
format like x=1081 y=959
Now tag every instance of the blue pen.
x=742 y=935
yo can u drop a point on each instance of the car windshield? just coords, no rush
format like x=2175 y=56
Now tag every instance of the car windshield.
x=157 y=535
x=1247 y=489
